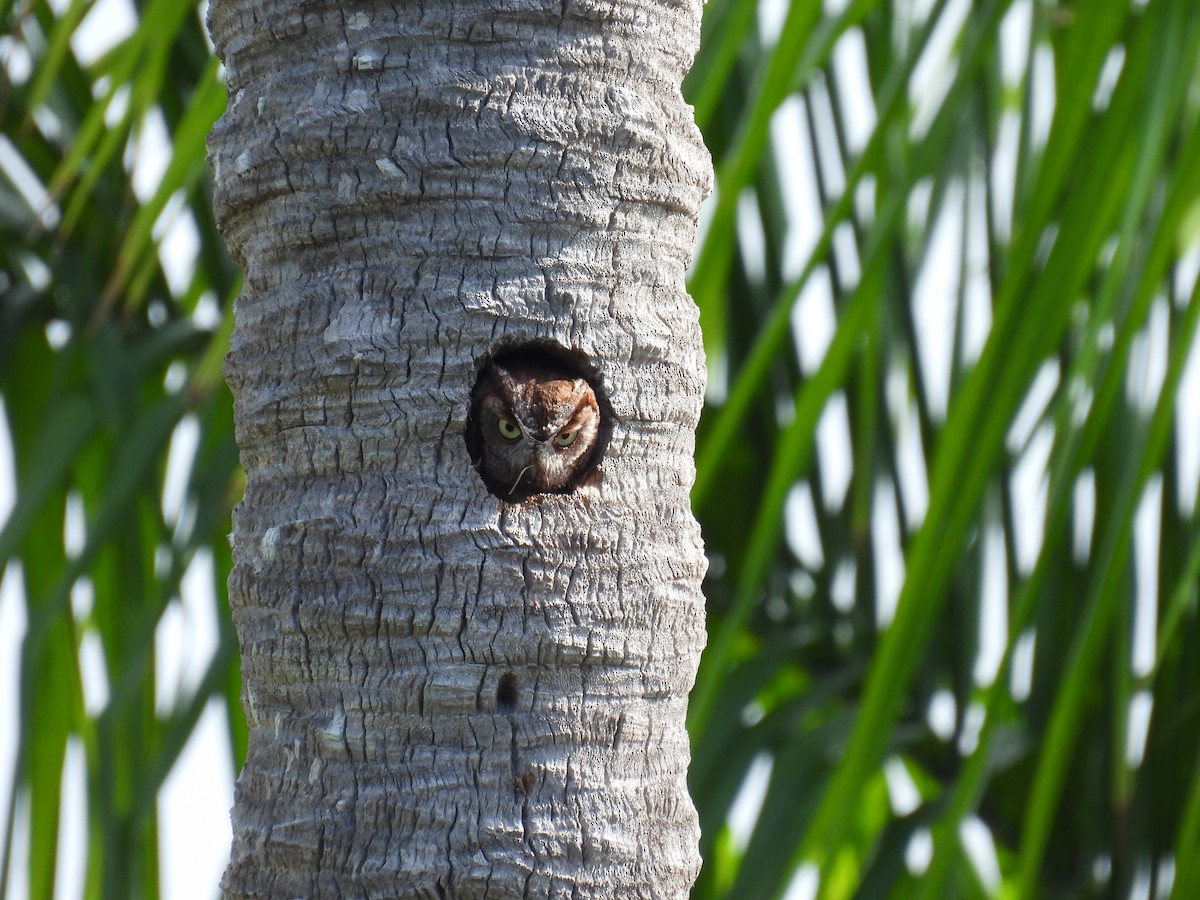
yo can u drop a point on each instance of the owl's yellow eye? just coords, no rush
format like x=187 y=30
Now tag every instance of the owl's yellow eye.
x=508 y=429
x=566 y=438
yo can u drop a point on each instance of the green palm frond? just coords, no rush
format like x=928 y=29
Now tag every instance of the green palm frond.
x=1078 y=264
x=102 y=361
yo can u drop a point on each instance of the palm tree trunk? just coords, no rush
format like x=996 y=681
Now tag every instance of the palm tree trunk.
x=451 y=694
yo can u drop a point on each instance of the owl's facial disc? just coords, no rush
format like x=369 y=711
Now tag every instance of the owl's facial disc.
x=536 y=427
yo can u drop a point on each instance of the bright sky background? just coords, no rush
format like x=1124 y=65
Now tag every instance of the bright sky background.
x=195 y=804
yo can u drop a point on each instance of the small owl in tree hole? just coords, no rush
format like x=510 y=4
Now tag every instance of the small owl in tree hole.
x=537 y=427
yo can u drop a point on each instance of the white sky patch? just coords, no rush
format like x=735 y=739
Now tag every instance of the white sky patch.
x=16 y=59
x=1080 y=396
x=1140 y=888
x=792 y=145
x=1014 y=41
x=1187 y=430
x=917 y=204
x=26 y=182
x=937 y=67
x=814 y=320
x=854 y=89
x=845 y=251
x=1141 y=705
x=919 y=852
x=800 y=527
x=972 y=725
x=889 y=557
x=19 y=883
x=743 y=813
x=186 y=637
x=826 y=140
x=208 y=313
x=38 y=274
x=805 y=883
x=717 y=390
x=1021 y=671
x=864 y=201
x=107 y=24
x=1165 y=877
x=1033 y=407
x=802 y=584
x=1042 y=96
x=933 y=303
x=93 y=673
x=785 y=409
x=194 y=828
x=74 y=526
x=1187 y=269
x=1030 y=490
x=175 y=229
x=118 y=107
x=980 y=848
x=13 y=625
x=902 y=790
x=1083 y=515
x=173 y=382
x=771 y=16
x=843 y=585
x=71 y=865
x=993 y=611
x=708 y=209
x=181 y=453
x=750 y=236
x=1108 y=250
x=941 y=714
x=1148 y=359
x=833 y=444
x=198 y=794
x=910 y=453
x=1187 y=403
x=976 y=311
x=919 y=11
x=1110 y=74
x=202 y=14
x=1146 y=542
x=1004 y=173
x=150 y=155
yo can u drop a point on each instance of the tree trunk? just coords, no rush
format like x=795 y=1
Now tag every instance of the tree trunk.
x=451 y=692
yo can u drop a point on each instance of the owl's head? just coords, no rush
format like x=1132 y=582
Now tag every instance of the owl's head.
x=538 y=426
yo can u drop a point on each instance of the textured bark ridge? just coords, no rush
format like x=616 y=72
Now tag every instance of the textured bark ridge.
x=450 y=695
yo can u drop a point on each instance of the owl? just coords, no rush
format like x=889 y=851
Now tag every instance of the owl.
x=536 y=427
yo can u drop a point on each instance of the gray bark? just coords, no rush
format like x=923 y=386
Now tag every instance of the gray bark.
x=450 y=695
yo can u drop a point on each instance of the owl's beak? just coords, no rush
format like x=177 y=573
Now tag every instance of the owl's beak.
x=538 y=437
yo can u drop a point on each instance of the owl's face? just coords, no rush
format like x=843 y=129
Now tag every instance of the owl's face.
x=537 y=426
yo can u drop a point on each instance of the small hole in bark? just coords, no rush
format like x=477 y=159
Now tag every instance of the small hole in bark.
x=525 y=783
x=506 y=693
x=539 y=422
